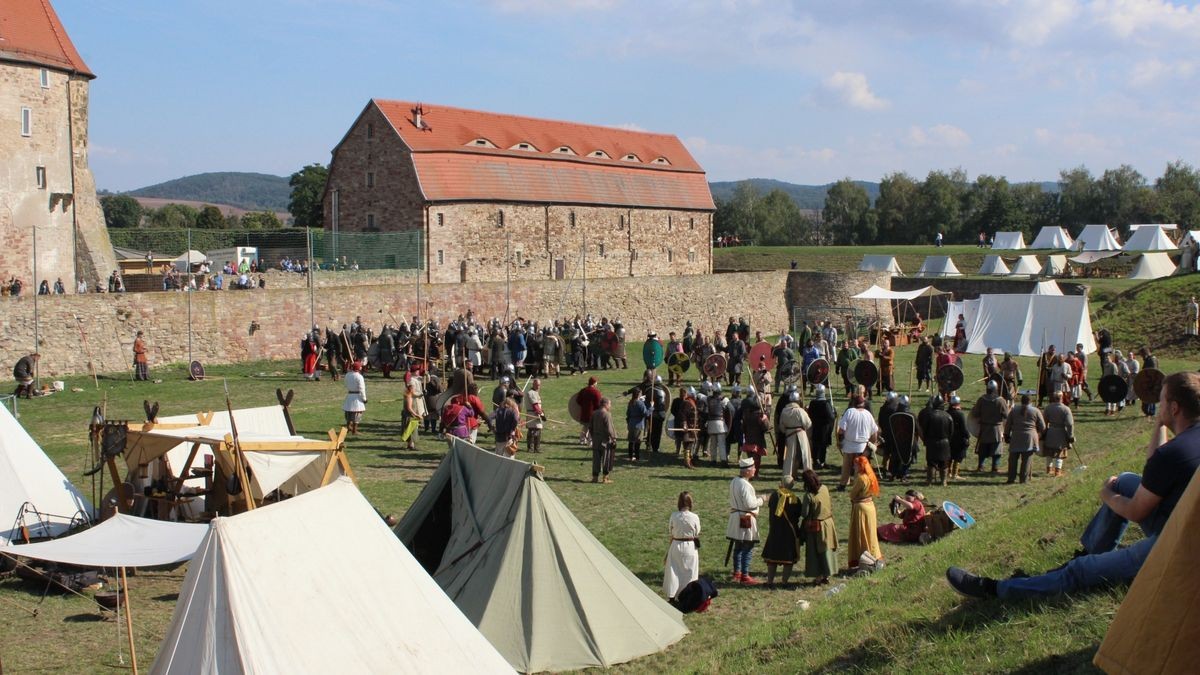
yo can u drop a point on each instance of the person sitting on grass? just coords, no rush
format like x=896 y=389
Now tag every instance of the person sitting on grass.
x=1147 y=499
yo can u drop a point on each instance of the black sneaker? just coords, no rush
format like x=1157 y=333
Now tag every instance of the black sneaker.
x=969 y=585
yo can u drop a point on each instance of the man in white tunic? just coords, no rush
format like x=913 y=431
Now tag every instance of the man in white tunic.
x=742 y=530
x=718 y=412
x=795 y=425
x=355 y=403
x=534 y=417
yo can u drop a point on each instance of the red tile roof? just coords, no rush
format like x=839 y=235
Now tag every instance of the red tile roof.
x=452 y=168
x=30 y=32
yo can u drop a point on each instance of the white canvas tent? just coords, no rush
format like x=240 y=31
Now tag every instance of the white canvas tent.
x=1056 y=265
x=316 y=584
x=993 y=264
x=938 y=266
x=35 y=496
x=880 y=263
x=1027 y=265
x=120 y=541
x=1048 y=287
x=1149 y=238
x=523 y=569
x=1052 y=237
x=191 y=257
x=1025 y=324
x=1097 y=238
x=1008 y=241
x=877 y=293
x=1153 y=266
x=968 y=308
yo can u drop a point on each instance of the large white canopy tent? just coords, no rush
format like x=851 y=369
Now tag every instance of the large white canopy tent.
x=1026 y=324
x=938 y=266
x=1056 y=265
x=36 y=499
x=191 y=257
x=1027 y=265
x=523 y=569
x=316 y=584
x=877 y=293
x=1010 y=241
x=1096 y=238
x=1089 y=257
x=993 y=264
x=120 y=541
x=1153 y=266
x=1149 y=238
x=1052 y=237
x=880 y=263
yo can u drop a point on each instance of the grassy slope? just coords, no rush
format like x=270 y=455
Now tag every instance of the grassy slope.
x=837 y=258
x=1152 y=313
x=903 y=619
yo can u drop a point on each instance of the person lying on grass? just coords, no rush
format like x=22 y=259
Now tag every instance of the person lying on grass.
x=1147 y=499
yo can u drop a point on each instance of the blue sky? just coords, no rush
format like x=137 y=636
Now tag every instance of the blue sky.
x=798 y=91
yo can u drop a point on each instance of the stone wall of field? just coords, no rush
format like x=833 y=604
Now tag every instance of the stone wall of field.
x=221 y=321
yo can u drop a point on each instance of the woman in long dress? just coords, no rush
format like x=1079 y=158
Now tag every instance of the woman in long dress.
x=783 y=540
x=863 y=490
x=683 y=555
x=820 y=534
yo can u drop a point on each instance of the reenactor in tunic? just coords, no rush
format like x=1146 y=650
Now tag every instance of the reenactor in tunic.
x=551 y=352
x=719 y=414
x=1059 y=434
x=960 y=438
x=795 y=424
x=846 y=358
x=924 y=363
x=23 y=374
x=1010 y=371
x=737 y=358
x=141 y=369
x=887 y=366
x=990 y=411
x=935 y=427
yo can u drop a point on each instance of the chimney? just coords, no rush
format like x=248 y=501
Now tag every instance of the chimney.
x=417 y=112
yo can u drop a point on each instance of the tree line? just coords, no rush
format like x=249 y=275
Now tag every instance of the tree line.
x=910 y=211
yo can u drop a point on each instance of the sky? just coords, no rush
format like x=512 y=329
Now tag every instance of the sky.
x=805 y=92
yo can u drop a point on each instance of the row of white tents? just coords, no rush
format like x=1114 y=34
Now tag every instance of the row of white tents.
x=1143 y=237
x=488 y=571
x=1152 y=265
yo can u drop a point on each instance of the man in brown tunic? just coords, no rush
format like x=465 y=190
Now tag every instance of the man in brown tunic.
x=989 y=411
x=604 y=439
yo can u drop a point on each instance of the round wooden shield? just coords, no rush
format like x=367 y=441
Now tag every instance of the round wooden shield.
x=789 y=373
x=715 y=366
x=866 y=373
x=1113 y=388
x=574 y=409
x=1147 y=385
x=961 y=519
x=949 y=378
x=762 y=353
x=610 y=343
x=652 y=354
x=679 y=363
x=818 y=372
x=195 y=371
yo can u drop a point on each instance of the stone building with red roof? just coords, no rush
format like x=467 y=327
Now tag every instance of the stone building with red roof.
x=501 y=196
x=46 y=187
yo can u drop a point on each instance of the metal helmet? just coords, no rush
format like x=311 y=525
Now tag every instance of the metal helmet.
x=935 y=402
x=820 y=392
x=794 y=397
x=991 y=386
x=954 y=400
x=716 y=388
x=891 y=396
x=658 y=379
x=904 y=400
x=737 y=390
x=504 y=380
x=692 y=391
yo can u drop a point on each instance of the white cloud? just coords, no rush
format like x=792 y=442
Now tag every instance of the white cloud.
x=628 y=126
x=1151 y=20
x=937 y=136
x=1080 y=142
x=552 y=6
x=853 y=90
x=1151 y=71
x=1006 y=150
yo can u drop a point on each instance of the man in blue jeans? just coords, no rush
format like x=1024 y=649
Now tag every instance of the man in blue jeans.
x=1147 y=500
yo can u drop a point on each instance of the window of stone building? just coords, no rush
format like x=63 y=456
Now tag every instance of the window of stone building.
x=564 y=150
x=691 y=223
x=370 y=130
x=630 y=158
x=598 y=154
x=40 y=176
x=670 y=255
x=571 y=218
x=670 y=223
x=601 y=249
x=621 y=226
x=26 y=121
x=524 y=145
x=633 y=254
x=441 y=255
x=370 y=179
x=500 y=219
x=45 y=78
x=370 y=221
x=692 y=256
x=661 y=160
x=441 y=219
x=518 y=256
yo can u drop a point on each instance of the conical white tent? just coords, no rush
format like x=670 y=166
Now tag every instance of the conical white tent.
x=1027 y=265
x=35 y=497
x=1046 y=288
x=992 y=264
x=1149 y=238
x=1025 y=324
x=1052 y=237
x=1056 y=265
x=523 y=569
x=1097 y=238
x=1153 y=266
x=183 y=262
x=938 y=266
x=315 y=584
x=1008 y=241
x=880 y=263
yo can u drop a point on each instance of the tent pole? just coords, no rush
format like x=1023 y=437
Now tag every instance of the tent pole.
x=128 y=621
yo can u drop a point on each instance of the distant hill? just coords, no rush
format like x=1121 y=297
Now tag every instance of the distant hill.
x=250 y=191
x=812 y=197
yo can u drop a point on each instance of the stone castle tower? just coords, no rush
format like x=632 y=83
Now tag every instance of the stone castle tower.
x=47 y=192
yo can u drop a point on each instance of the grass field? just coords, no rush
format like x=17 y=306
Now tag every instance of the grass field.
x=902 y=619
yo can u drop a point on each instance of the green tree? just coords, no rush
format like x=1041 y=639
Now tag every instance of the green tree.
x=1124 y=197
x=1035 y=207
x=939 y=207
x=780 y=221
x=121 y=211
x=308 y=191
x=173 y=217
x=1178 y=191
x=894 y=208
x=261 y=220
x=210 y=218
x=989 y=207
x=848 y=213
x=1078 y=199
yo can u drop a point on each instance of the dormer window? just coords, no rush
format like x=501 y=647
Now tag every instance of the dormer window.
x=630 y=158
x=661 y=160
x=564 y=150
x=524 y=145
x=481 y=143
x=599 y=154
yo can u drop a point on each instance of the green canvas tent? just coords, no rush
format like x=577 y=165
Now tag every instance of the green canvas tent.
x=526 y=572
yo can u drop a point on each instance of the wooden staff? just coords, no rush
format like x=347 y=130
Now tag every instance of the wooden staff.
x=239 y=457
x=129 y=621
